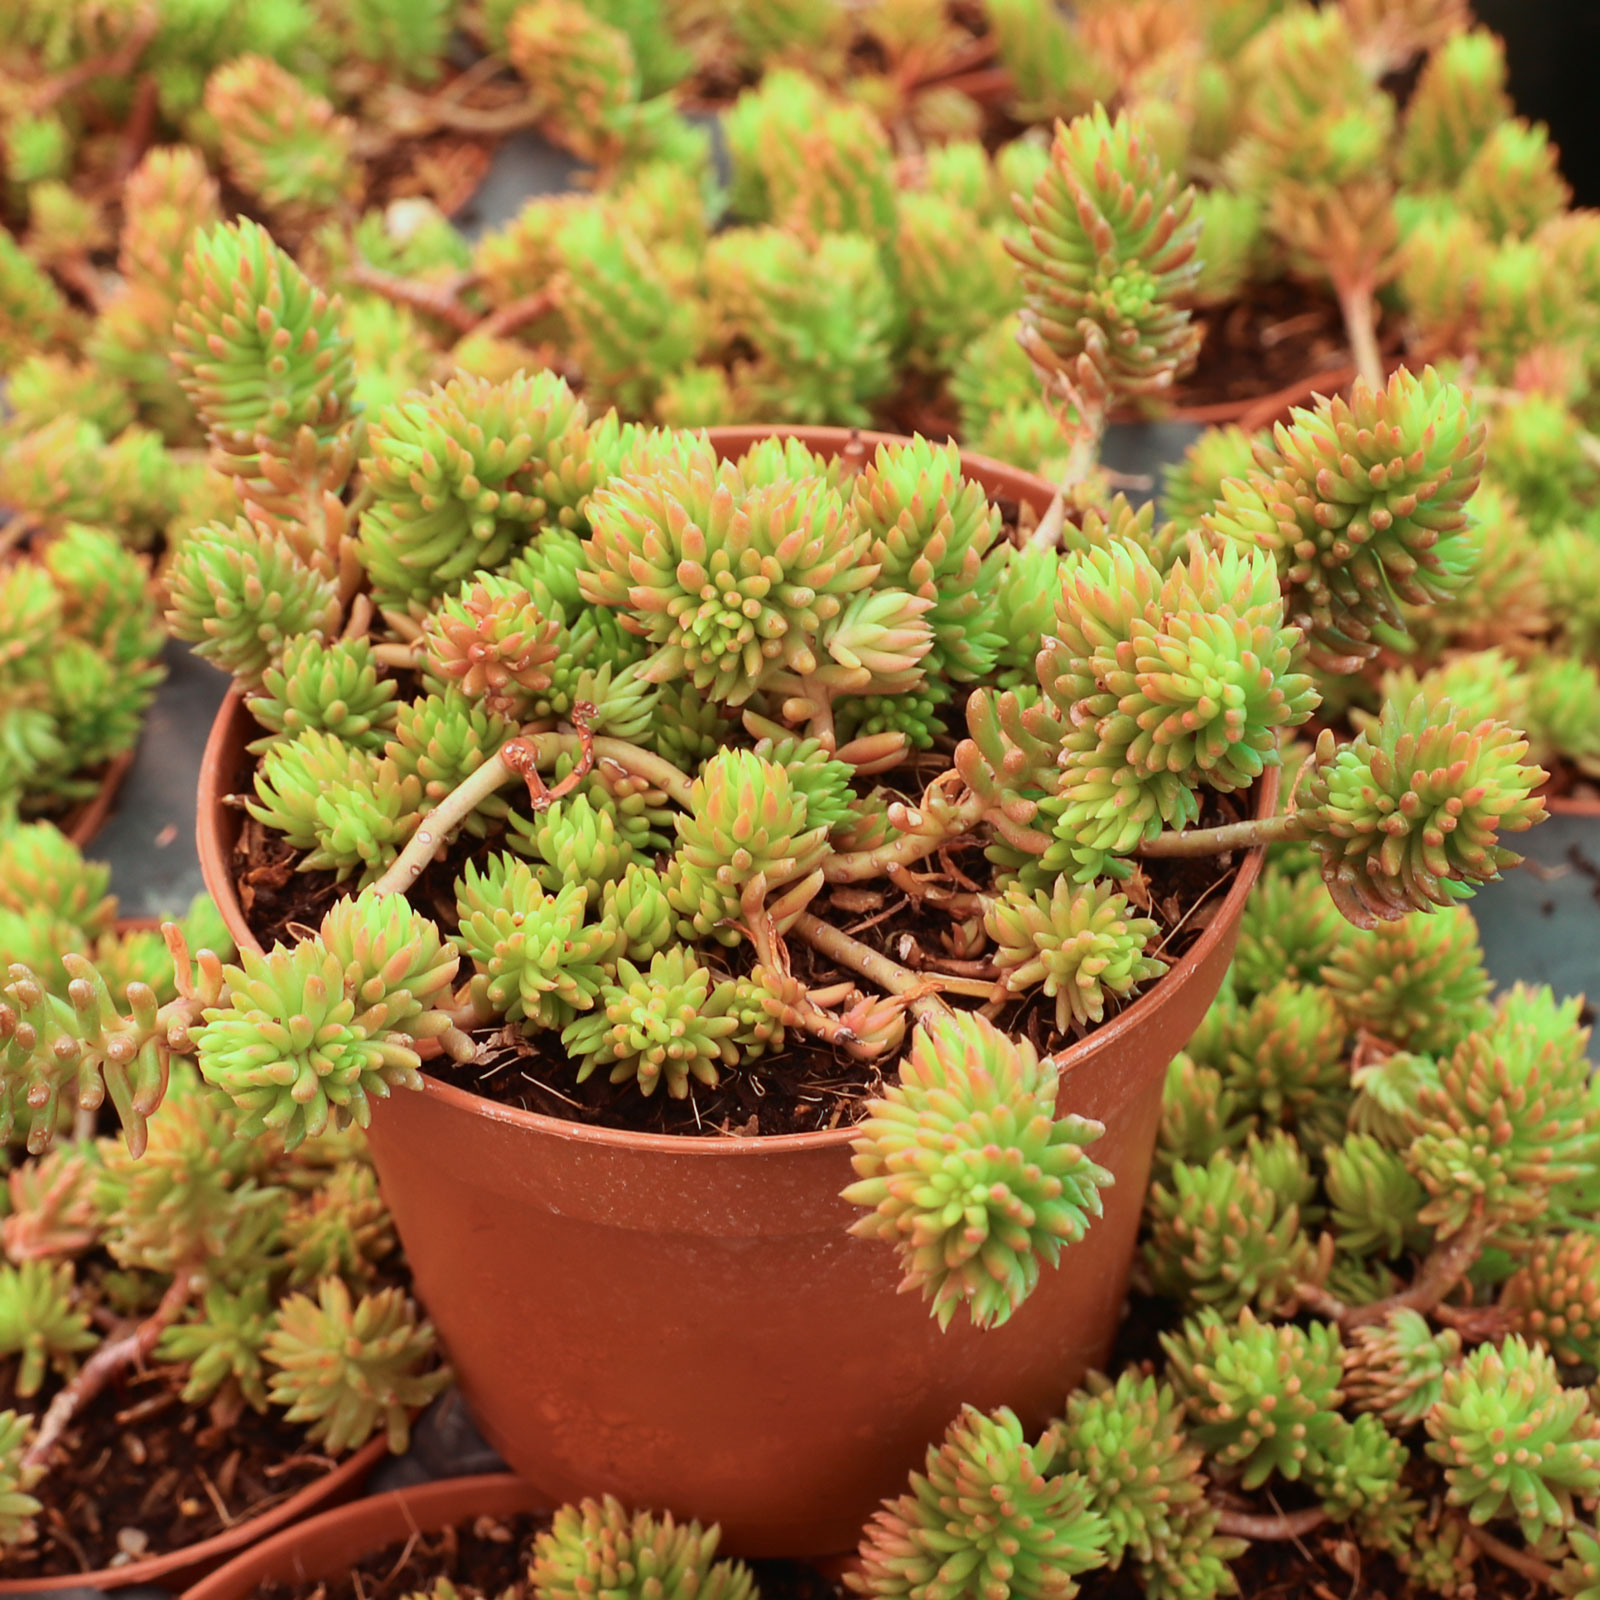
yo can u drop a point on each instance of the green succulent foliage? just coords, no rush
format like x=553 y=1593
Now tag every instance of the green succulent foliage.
x=259 y=350
x=42 y=869
x=1363 y=504
x=1127 y=1441
x=821 y=318
x=748 y=829
x=223 y=1343
x=341 y=1228
x=732 y=585
x=1375 y=1199
x=41 y=387
x=538 y=955
x=964 y=1165
x=1261 y=1397
x=1579 y=1577
x=1407 y=815
x=1232 y=241
x=1396 y=1368
x=1387 y=1093
x=954 y=274
x=34 y=315
x=42 y=1321
x=762 y=128
x=1539 y=459
x=290 y=1051
x=332 y=688
x=17 y=1506
x=1289 y=930
x=1193 y=483
x=1513 y=182
x=1564 y=709
x=636 y=905
x=1509 y=1127
x=596 y=1547
x=1555 y=1296
x=1419 y=983
x=464 y=475
x=1200 y=1115
x=235 y=593
x=574 y=841
x=1052 y=72
x=194 y=1198
x=347 y=807
x=988 y=1515
x=1285 y=1060
x=1081 y=944
x=349 y=1367
x=664 y=1027
x=631 y=325
x=1220 y=1235
x=1511 y=1394
x=1572 y=581
x=440 y=740
x=1359 y=1479
x=993 y=375
x=1109 y=255
x=1459 y=98
x=933 y=531
x=394 y=961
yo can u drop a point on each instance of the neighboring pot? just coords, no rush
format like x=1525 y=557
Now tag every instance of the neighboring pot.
x=328 y=1546
x=85 y=820
x=685 y=1323
x=177 y=1569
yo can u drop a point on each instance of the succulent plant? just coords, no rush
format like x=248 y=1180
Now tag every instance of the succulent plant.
x=987 y=1516
x=1506 y=1125
x=350 y=1367
x=1396 y=1367
x=1261 y=1397
x=1555 y=1296
x=17 y=1506
x=223 y=1342
x=332 y=688
x=597 y=1547
x=1284 y=1060
x=964 y=1165
x=1219 y=1235
x=42 y=1321
x=1079 y=944
x=1420 y=983
x=1511 y=1392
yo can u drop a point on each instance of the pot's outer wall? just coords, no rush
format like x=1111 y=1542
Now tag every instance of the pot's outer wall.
x=685 y=1323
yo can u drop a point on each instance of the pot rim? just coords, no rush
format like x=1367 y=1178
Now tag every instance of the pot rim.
x=285 y=1518
x=391 y=1515
x=219 y=879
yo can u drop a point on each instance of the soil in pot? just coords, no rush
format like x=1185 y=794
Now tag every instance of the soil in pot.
x=143 y=1475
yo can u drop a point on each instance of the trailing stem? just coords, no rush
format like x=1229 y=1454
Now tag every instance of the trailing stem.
x=1355 y=304
x=1231 y=836
x=109 y=1362
x=1081 y=461
x=887 y=973
x=1282 y=1526
x=1444 y=1267
x=1518 y=1561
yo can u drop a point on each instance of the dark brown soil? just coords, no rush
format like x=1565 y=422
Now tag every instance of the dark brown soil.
x=142 y=1474
x=808 y=1086
x=1277 y=335
x=1568 y=783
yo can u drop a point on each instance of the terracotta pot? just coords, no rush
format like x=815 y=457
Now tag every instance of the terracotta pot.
x=685 y=1322
x=328 y=1546
x=180 y=1568
x=85 y=820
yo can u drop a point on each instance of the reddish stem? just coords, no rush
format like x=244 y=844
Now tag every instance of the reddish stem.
x=1282 y=1526
x=424 y=297
x=110 y=1361
x=1518 y=1561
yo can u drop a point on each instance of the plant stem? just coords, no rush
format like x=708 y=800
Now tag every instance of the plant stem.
x=884 y=971
x=427 y=298
x=437 y=826
x=1518 y=1561
x=1355 y=302
x=1443 y=1268
x=1080 y=463
x=541 y=749
x=108 y=1362
x=1283 y=1525
x=1232 y=836
x=855 y=865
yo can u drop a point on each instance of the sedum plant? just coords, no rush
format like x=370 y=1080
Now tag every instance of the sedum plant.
x=677 y=703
